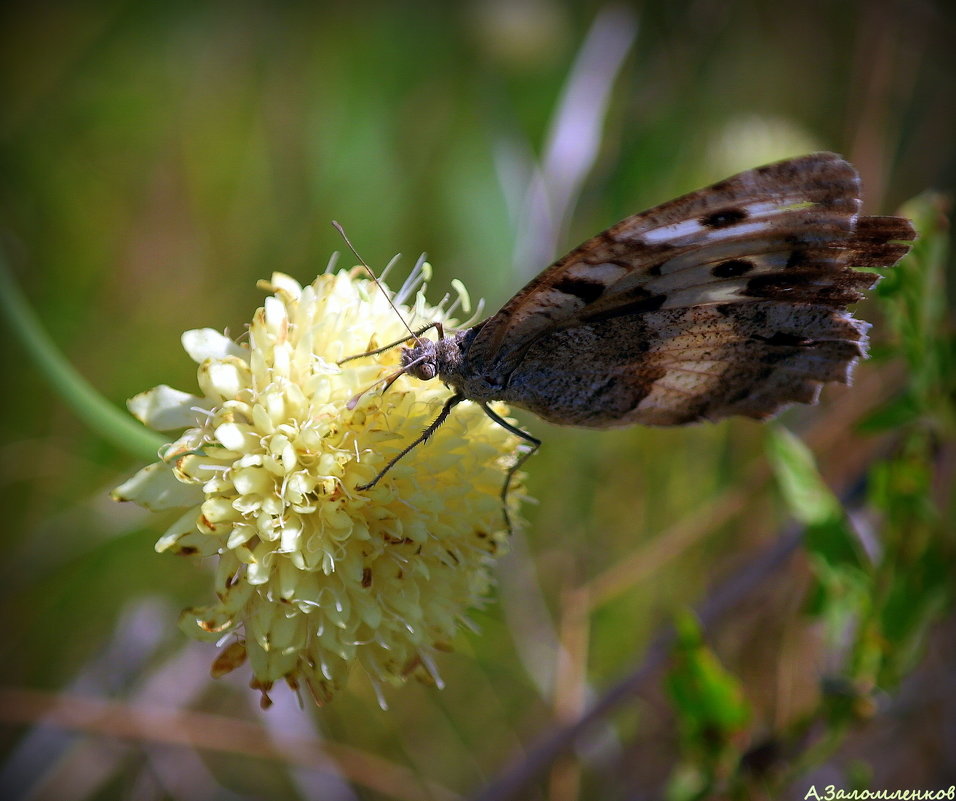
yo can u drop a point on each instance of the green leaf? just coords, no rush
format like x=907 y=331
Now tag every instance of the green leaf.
x=915 y=303
x=919 y=590
x=807 y=496
x=708 y=699
x=901 y=411
x=111 y=422
x=828 y=535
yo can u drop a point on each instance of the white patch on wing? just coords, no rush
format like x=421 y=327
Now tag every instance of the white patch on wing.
x=769 y=206
x=739 y=229
x=605 y=273
x=684 y=384
x=552 y=298
x=673 y=231
x=676 y=231
x=720 y=292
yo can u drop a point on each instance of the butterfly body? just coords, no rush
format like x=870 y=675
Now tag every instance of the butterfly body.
x=730 y=300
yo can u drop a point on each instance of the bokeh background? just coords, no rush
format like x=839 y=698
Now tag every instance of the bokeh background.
x=157 y=159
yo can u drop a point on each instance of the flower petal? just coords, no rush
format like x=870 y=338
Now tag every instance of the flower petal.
x=182 y=534
x=286 y=283
x=163 y=408
x=155 y=487
x=225 y=378
x=207 y=343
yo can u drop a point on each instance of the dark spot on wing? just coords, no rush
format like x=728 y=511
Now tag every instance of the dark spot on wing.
x=783 y=339
x=636 y=384
x=810 y=286
x=608 y=246
x=797 y=258
x=724 y=218
x=734 y=267
x=746 y=387
x=636 y=300
x=588 y=291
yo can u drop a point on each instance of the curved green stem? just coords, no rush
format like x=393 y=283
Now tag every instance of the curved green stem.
x=91 y=407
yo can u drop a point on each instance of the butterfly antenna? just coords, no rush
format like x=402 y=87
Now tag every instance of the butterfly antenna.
x=341 y=231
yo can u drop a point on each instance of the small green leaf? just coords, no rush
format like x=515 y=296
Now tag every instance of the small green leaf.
x=709 y=700
x=807 y=496
x=898 y=412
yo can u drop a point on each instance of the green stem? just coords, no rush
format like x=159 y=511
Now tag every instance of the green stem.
x=90 y=406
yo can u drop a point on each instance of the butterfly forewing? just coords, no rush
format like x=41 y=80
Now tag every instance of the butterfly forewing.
x=637 y=263
x=725 y=301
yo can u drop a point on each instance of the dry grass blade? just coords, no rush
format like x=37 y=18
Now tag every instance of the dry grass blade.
x=156 y=724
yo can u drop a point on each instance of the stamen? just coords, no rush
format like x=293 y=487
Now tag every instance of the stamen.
x=463 y=295
x=388 y=267
x=479 y=311
x=431 y=668
x=413 y=281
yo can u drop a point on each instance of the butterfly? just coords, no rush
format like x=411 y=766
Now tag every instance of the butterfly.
x=730 y=300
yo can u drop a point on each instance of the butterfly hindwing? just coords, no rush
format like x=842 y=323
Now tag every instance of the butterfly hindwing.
x=678 y=366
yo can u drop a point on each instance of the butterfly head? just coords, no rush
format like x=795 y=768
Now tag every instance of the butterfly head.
x=428 y=359
x=421 y=359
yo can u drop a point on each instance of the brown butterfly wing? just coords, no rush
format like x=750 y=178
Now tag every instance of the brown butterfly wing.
x=729 y=300
x=677 y=366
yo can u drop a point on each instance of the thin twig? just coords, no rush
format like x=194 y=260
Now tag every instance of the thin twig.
x=570 y=685
x=155 y=724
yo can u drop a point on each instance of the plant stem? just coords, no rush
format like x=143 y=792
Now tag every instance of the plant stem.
x=90 y=406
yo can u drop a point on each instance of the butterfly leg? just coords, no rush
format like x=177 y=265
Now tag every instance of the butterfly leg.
x=450 y=404
x=522 y=458
x=437 y=326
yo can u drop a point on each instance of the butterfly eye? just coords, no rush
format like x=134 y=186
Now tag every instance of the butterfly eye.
x=427 y=371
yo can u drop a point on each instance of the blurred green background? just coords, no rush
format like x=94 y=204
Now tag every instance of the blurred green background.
x=157 y=159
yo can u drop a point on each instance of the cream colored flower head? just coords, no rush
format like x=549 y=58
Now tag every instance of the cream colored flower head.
x=313 y=576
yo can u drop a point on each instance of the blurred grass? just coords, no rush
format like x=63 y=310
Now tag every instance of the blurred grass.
x=156 y=160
